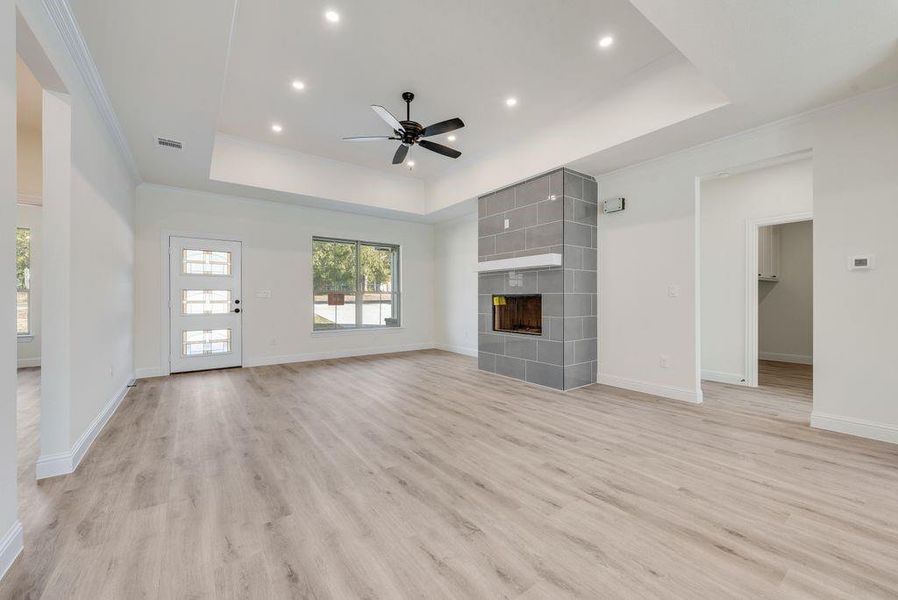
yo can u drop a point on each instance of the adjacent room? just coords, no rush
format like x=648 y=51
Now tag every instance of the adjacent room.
x=402 y=299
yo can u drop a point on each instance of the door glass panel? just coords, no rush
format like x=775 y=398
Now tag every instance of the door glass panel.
x=205 y=302
x=205 y=342
x=205 y=262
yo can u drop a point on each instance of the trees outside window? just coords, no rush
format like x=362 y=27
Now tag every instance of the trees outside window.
x=355 y=284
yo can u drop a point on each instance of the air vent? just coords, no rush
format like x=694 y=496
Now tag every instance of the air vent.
x=169 y=143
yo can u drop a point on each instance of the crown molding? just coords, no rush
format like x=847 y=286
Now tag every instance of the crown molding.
x=61 y=15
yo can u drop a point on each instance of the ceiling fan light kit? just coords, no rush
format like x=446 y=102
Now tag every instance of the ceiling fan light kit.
x=409 y=132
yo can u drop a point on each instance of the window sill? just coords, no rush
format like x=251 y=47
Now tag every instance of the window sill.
x=24 y=338
x=354 y=330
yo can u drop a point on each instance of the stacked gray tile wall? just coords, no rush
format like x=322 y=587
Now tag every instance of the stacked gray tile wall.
x=552 y=213
x=580 y=279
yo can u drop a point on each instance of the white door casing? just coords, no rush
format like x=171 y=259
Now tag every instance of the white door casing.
x=205 y=304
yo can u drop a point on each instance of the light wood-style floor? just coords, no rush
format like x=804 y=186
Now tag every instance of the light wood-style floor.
x=416 y=476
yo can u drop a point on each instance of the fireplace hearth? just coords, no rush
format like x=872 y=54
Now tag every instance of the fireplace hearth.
x=518 y=314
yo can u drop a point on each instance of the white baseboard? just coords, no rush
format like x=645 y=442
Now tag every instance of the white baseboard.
x=883 y=432
x=63 y=463
x=150 y=372
x=457 y=349
x=674 y=393
x=261 y=361
x=800 y=359
x=22 y=363
x=11 y=545
x=722 y=377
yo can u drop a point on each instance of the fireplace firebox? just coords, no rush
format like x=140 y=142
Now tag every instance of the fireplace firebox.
x=518 y=314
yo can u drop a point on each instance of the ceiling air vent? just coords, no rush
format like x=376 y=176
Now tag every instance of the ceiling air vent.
x=169 y=143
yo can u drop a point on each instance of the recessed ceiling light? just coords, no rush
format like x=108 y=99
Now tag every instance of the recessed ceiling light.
x=276 y=127
x=332 y=16
x=298 y=85
x=606 y=41
x=451 y=138
x=410 y=164
x=511 y=101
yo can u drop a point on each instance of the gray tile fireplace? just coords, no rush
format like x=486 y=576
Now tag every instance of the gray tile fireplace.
x=538 y=323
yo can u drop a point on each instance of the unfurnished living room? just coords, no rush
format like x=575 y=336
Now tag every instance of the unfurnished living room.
x=523 y=299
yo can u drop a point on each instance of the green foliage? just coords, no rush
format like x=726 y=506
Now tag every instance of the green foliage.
x=23 y=257
x=377 y=268
x=334 y=267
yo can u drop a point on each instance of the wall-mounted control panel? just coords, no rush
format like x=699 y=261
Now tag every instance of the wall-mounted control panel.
x=860 y=263
x=613 y=205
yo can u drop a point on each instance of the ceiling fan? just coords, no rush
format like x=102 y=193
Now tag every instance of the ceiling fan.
x=409 y=132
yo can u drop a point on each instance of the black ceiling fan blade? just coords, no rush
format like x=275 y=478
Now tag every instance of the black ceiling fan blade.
x=400 y=155
x=387 y=116
x=443 y=127
x=440 y=149
x=369 y=138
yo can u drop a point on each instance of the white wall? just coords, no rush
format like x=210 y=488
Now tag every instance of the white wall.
x=727 y=205
x=652 y=245
x=455 y=284
x=28 y=165
x=10 y=530
x=786 y=307
x=29 y=349
x=88 y=252
x=277 y=256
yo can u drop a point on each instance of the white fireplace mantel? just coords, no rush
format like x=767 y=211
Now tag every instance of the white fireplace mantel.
x=520 y=263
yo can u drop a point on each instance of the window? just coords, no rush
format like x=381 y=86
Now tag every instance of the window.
x=205 y=262
x=23 y=281
x=205 y=302
x=205 y=343
x=354 y=284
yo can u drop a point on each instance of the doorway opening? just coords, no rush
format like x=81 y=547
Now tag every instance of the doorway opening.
x=756 y=275
x=785 y=305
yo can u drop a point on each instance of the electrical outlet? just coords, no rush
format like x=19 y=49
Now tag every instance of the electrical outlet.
x=664 y=361
x=673 y=290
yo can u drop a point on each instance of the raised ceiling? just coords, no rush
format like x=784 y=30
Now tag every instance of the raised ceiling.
x=460 y=58
x=216 y=73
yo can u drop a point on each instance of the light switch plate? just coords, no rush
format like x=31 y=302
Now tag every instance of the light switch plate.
x=263 y=293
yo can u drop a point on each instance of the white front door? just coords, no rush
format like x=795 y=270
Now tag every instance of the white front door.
x=204 y=303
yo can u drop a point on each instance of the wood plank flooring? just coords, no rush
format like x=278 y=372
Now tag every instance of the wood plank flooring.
x=416 y=476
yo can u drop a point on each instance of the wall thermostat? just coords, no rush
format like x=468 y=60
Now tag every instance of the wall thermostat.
x=613 y=205
x=860 y=263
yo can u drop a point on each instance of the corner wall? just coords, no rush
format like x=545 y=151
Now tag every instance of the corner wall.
x=455 y=284
x=88 y=250
x=651 y=246
x=10 y=528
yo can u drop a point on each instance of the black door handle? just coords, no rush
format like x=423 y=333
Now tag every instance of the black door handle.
x=236 y=310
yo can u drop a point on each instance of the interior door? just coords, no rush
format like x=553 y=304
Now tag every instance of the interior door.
x=204 y=303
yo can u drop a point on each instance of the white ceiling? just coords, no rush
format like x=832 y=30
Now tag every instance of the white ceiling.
x=461 y=58
x=772 y=58
x=681 y=73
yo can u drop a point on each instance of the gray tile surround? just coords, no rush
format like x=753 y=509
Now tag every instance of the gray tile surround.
x=555 y=212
